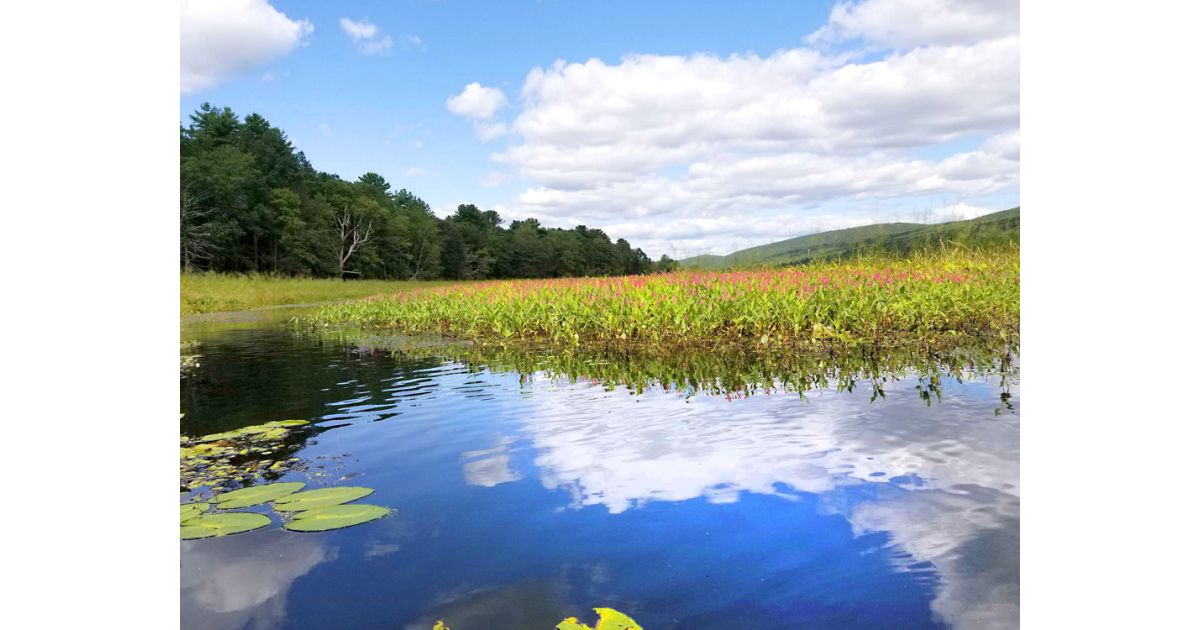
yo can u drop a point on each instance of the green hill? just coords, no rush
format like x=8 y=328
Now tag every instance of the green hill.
x=998 y=228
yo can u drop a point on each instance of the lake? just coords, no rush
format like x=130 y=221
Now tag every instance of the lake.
x=689 y=499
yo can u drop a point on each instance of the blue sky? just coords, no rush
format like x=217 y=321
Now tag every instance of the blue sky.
x=685 y=127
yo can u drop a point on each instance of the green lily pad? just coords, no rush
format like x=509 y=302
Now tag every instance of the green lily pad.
x=255 y=495
x=335 y=517
x=209 y=525
x=614 y=620
x=286 y=423
x=216 y=437
x=323 y=497
x=191 y=510
x=609 y=620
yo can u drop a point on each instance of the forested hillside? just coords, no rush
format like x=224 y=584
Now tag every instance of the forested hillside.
x=997 y=228
x=250 y=202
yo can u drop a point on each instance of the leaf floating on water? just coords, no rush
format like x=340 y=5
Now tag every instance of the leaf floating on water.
x=440 y=625
x=335 y=517
x=255 y=495
x=209 y=525
x=191 y=510
x=216 y=437
x=323 y=497
x=286 y=423
x=614 y=620
x=609 y=620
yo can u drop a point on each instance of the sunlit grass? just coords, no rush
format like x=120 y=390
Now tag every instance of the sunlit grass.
x=210 y=293
x=926 y=297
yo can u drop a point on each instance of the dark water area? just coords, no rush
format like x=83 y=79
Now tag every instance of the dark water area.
x=523 y=499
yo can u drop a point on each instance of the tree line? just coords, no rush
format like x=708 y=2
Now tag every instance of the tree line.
x=250 y=202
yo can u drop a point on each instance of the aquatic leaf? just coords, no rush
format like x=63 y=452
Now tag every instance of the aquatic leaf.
x=255 y=495
x=613 y=620
x=322 y=497
x=274 y=434
x=209 y=525
x=286 y=423
x=191 y=510
x=214 y=437
x=440 y=625
x=335 y=517
x=609 y=620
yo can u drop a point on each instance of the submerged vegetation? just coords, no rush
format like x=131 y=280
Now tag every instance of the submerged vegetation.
x=929 y=299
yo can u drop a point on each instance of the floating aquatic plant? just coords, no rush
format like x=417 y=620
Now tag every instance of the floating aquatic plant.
x=191 y=510
x=609 y=620
x=236 y=457
x=209 y=525
x=256 y=495
x=323 y=497
x=335 y=517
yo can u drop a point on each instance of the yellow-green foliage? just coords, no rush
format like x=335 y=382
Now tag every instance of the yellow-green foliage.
x=211 y=293
x=870 y=300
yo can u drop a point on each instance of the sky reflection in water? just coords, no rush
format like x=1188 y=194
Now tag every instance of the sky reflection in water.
x=523 y=501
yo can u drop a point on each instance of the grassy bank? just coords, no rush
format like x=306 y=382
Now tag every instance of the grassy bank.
x=924 y=298
x=211 y=293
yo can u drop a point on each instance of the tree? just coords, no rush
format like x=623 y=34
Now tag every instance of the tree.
x=350 y=234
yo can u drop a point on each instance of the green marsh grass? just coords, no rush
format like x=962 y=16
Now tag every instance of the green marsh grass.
x=212 y=293
x=927 y=298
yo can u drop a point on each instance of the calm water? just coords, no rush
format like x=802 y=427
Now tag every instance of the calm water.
x=520 y=501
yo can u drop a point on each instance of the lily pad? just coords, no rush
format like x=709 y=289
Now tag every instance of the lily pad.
x=614 y=620
x=209 y=525
x=323 y=497
x=286 y=423
x=216 y=437
x=255 y=495
x=609 y=620
x=335 y=517
x=191 y=510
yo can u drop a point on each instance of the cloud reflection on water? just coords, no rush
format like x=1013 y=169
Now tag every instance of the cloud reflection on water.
x=951 y=470
x=243 y=581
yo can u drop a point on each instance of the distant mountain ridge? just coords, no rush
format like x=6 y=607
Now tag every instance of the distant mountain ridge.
x=997 y=228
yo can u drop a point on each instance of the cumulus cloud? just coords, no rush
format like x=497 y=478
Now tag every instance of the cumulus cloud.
x=476 y=102
x=684 y=140
x=221 y=38
x=367 y=37
x=904 y=23
x=480 y=104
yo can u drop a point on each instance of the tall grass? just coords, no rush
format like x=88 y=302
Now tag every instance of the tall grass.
x=926 y=297
x=211 y=292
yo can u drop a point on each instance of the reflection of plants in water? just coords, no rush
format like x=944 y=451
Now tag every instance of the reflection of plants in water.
x=731 y=373
x=318 y=510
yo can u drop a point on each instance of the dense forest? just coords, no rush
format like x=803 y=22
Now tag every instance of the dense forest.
x=250 y=202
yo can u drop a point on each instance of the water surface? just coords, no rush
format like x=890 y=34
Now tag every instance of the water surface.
x=523 y=499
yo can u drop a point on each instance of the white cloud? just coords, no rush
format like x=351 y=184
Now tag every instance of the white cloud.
x=415 y=171
x=905 y=23
x=367 y=37
x=480 y=104
x=221 y=38
x=476 y=102
x=674 y=139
